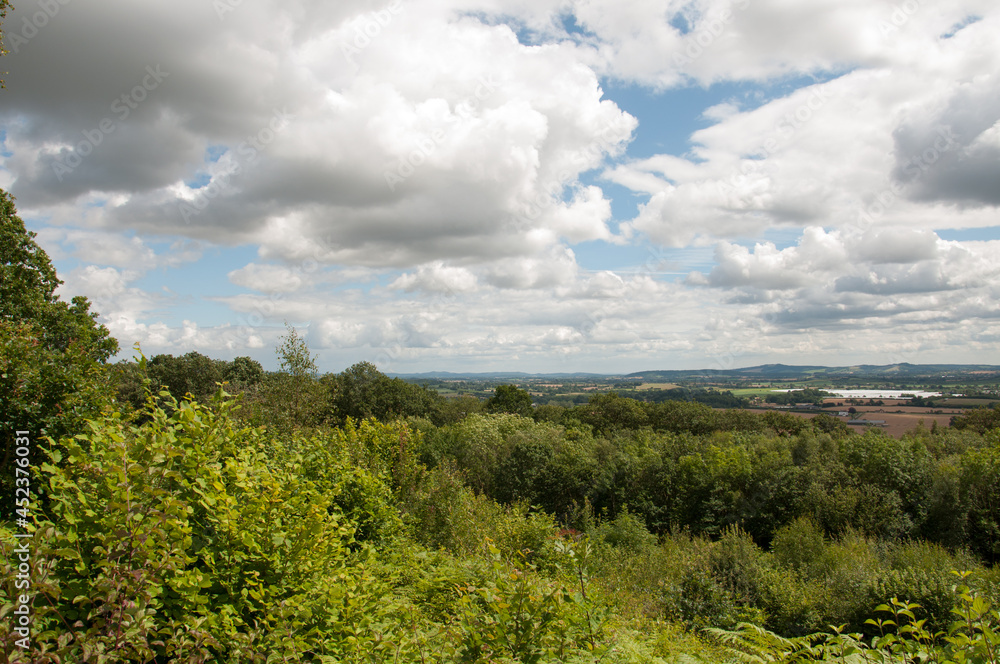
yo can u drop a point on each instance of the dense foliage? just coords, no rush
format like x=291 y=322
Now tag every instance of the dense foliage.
x=979 y=420
x=193 y=538
x=682 y=467
x=613 y=531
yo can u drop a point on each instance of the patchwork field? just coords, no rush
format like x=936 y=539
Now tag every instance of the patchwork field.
x=898 y=419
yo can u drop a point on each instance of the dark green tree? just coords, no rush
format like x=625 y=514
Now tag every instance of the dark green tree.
x=830 y=424
x=53 y=355
x=454 y=409
x=243 y=372
x=27 y=293
x=980 y=486
x=509 y=399
x=979 y=420
x=549 y=413
x=355 y=391
x=130 y=379
x=362 y=391
x=192 y=373
x=611 y=412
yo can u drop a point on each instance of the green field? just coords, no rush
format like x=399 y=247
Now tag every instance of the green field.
x=752 y=391
x=966 y=402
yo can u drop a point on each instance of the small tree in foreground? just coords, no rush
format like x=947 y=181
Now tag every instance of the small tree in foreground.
x=295 y=396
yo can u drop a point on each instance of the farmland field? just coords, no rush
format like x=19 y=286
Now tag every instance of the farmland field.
x=898 y=419
x=963 y=402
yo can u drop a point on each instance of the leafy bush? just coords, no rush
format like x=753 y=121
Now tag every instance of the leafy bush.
x=188 y=538
x=515 y=614
x=979 y=420
x=980 y=489
x=801 y=547
x=625 y=531
x=362 y=391
x=53 y=354
x=48 y=392
x=444 y=513
x=900 y=637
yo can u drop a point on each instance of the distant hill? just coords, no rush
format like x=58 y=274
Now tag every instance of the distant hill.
x=763 y=371
x=784 y=371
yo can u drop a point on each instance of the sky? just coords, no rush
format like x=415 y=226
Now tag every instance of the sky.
x=543 y=186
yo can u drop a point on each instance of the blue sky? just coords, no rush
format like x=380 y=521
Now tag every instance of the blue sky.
x=470 y=185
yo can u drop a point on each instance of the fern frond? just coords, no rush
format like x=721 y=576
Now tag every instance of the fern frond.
x=752 y=644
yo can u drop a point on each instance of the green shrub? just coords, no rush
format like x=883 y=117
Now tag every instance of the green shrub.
x=801 y=546
x=625 y=531
x=479 y=443
x=737 y=564
x=900 y=636
x=675 y=581
x=188 y=538
x=979 y=420
x=515 y=615
x=442 y=512
x=980 y=489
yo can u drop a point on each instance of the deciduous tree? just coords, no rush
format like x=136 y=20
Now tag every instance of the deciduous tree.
x=53 y=355
x=294 y=394
x=510 y=399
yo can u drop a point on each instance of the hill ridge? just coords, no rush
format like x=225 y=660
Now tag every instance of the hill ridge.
x=771 y=370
